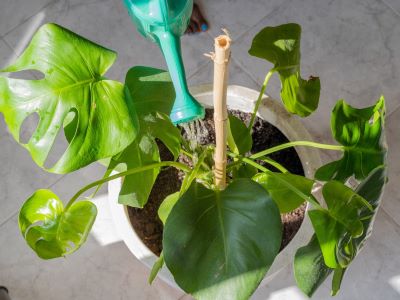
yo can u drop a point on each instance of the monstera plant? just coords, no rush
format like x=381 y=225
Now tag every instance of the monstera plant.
x=218 y=244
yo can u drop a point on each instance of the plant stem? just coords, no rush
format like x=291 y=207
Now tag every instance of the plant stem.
x=297 y=143
x=260 y=96
x=177 y=165
x=274 y=164
x=307 y=198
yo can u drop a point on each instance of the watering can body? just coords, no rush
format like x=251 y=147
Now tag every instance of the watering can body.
x=163 y=22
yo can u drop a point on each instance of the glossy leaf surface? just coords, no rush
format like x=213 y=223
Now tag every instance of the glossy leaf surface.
x=310 y=270
x=105 y=121
x=280 y=46
x=152 y=94
x=52 y=231
x=239 y=136
x=361 y=132
x=286 y=199
x=227 y=240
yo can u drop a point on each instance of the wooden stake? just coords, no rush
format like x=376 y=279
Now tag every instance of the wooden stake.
x=221 y=60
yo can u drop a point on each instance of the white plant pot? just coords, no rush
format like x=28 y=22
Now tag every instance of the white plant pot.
x=238 y=98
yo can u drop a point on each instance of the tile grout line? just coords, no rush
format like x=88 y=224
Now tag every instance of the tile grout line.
x=26 y=19
x=391 y=219
x=389 y=6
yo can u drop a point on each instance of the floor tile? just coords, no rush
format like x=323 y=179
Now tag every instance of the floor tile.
x=373 y=275
x=108 y=23
x=391 y=202
x=99 y=270
x=235 y=15
x=20 y=177
x=20 y=10
x=237 y=76
x=352 y=45
x=392 y=4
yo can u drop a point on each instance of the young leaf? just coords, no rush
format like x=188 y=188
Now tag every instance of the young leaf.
x=310 y=270
x=239 y=136
x=156 y=268
x=281 y=46
x=73 y=67
x=166 y=206
x=361 y=132
x=136 y=188
x=52 y=231
x=152 y=94
x=227 y=240
x=286 y=199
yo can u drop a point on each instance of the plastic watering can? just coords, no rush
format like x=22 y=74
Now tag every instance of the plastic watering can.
x=163 y=22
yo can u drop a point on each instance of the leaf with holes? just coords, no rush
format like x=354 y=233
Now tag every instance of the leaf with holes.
x=280 y=45
x=49 y=229
x=73 y=68
x=227 y=240
x=360 y=131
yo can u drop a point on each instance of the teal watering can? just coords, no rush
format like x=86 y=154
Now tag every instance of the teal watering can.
x=163 y=22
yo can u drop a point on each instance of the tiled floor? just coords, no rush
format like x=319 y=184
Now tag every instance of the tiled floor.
x=354 y=46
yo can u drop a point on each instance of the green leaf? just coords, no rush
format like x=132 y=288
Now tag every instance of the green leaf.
x=281 y=46
x=244 y=171
x=345 y=205
x=152 y=94
x=227 y=240
x=136 y=188
x=310 y=270
x=239 y=136
x=52 y=231
x=167 y=205
x=339 y=224
x=328 y=231
x=73 y=69
x=337 y=280
x=151 y=90
x=156 y=268
x=286 y=199
x=361 y=132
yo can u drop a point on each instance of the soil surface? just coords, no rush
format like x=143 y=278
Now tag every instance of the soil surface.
x=146 y=222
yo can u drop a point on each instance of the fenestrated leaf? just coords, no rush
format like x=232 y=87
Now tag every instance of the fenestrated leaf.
x=52 y=231
x=151 y=89
x=152 y=94
x=286 y=199
x=239 y=136
x=361 y=132
x=310 y=270
x=227 y=240
x=280 y=45
x=73 y=69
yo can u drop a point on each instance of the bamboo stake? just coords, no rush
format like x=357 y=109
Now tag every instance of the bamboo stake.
x=221 y=61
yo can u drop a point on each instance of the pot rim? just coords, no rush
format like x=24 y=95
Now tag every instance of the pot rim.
x=244 y=99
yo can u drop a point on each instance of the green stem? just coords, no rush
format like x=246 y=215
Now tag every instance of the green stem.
x=307 y=198
x=297 y=143
x=274 y=164
x=260 y=96
x=126 y=173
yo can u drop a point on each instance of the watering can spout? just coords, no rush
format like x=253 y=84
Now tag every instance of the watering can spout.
x=185 y=107
x=164 y=21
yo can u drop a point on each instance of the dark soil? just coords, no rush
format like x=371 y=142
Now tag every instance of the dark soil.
x=146 y=222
